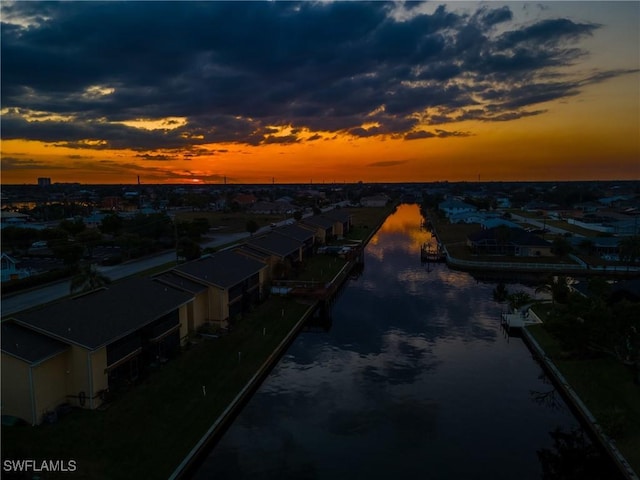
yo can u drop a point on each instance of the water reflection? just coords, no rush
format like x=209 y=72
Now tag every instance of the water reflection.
x=414 y=375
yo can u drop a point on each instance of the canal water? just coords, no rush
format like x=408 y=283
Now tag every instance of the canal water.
x=414 y=378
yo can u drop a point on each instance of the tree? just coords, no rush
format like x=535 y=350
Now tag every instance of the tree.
x=587 y=245
x=519 y=299
x=73 y=227
x=88 y=278
x=111 y=224
x=69 y=252
x=188 y=249
x=500 y=293
x=630 y=249
x=561 y=246
x=252 y=226
x=558 y=287
x=89 y=238
x=572 y=457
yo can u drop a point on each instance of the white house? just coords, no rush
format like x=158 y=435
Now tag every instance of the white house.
x=10 y=270
x=452 y=206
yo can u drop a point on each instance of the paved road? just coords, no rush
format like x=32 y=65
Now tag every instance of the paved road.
x=54 y=291
x=539 y=224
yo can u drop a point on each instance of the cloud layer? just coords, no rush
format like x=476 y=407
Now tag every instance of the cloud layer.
x=272 y=72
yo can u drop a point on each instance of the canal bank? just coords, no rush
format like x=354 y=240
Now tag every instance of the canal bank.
x=413 y=371
x=226 y=417
x=588 y=419
x=571 y=265
x=191 y=462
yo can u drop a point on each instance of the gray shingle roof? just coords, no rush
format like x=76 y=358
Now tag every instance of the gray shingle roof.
x=223 y=269
x=104 y=316
x=276 y=244
x=295 y=231
x=337 y=215
x=318 y=221
x=27 y=345
x=181 y=283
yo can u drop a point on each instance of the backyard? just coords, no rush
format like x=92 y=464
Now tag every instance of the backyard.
x=606 y=387
x=148 y=430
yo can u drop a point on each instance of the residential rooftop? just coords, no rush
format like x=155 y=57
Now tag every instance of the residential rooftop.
x=101 y=317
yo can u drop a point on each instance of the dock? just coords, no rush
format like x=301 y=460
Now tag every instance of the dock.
x=429 y=253
x=518 y=319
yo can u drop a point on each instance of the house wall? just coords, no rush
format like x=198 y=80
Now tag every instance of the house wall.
x=87 y=374
x=183 y=315
x=533 y=252
x=218 y=305
x=16 y=390
x=200 y=310
x=49 y=383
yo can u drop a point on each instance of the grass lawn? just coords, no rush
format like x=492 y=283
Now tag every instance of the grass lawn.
x=147 y=431
x=607 y=388
x=322 y=268
x=365 y=219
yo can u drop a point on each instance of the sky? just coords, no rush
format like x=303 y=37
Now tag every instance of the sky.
x=294 y=92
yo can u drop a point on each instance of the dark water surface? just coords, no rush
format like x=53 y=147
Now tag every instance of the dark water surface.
x=415 y=378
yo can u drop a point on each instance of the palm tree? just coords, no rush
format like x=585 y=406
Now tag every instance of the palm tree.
x=88 y=278
x=558 y=287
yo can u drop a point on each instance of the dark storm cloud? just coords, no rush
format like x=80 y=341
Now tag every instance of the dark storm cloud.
x=13 y=163
x=420 y=134
x=234 y=70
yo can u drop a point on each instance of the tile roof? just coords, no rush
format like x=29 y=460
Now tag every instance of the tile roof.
x=27 y=345
x=102 y=317
x=223 y=269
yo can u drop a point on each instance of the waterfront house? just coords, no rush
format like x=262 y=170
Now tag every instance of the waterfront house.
x=280 y=249
x=302 y=234
x=323 y=227
x=198 y=309
x=76 y=350
x=33 y=373
x=452 y=206
x=234 y=282
x=342 y=219
x=503 y=240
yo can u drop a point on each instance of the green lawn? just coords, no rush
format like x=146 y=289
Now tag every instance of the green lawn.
x=322 y=268
x=146 y=432
x=365 y=219
x=607 y=389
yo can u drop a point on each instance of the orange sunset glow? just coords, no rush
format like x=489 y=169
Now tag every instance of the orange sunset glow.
x=403 y=97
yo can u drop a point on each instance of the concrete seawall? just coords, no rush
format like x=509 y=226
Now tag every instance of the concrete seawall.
x=227 y=416
x=578 y=405
x=190 y=462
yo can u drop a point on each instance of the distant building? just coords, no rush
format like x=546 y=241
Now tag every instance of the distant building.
x=44 y=182
x=374 y=201
x=452 y=207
